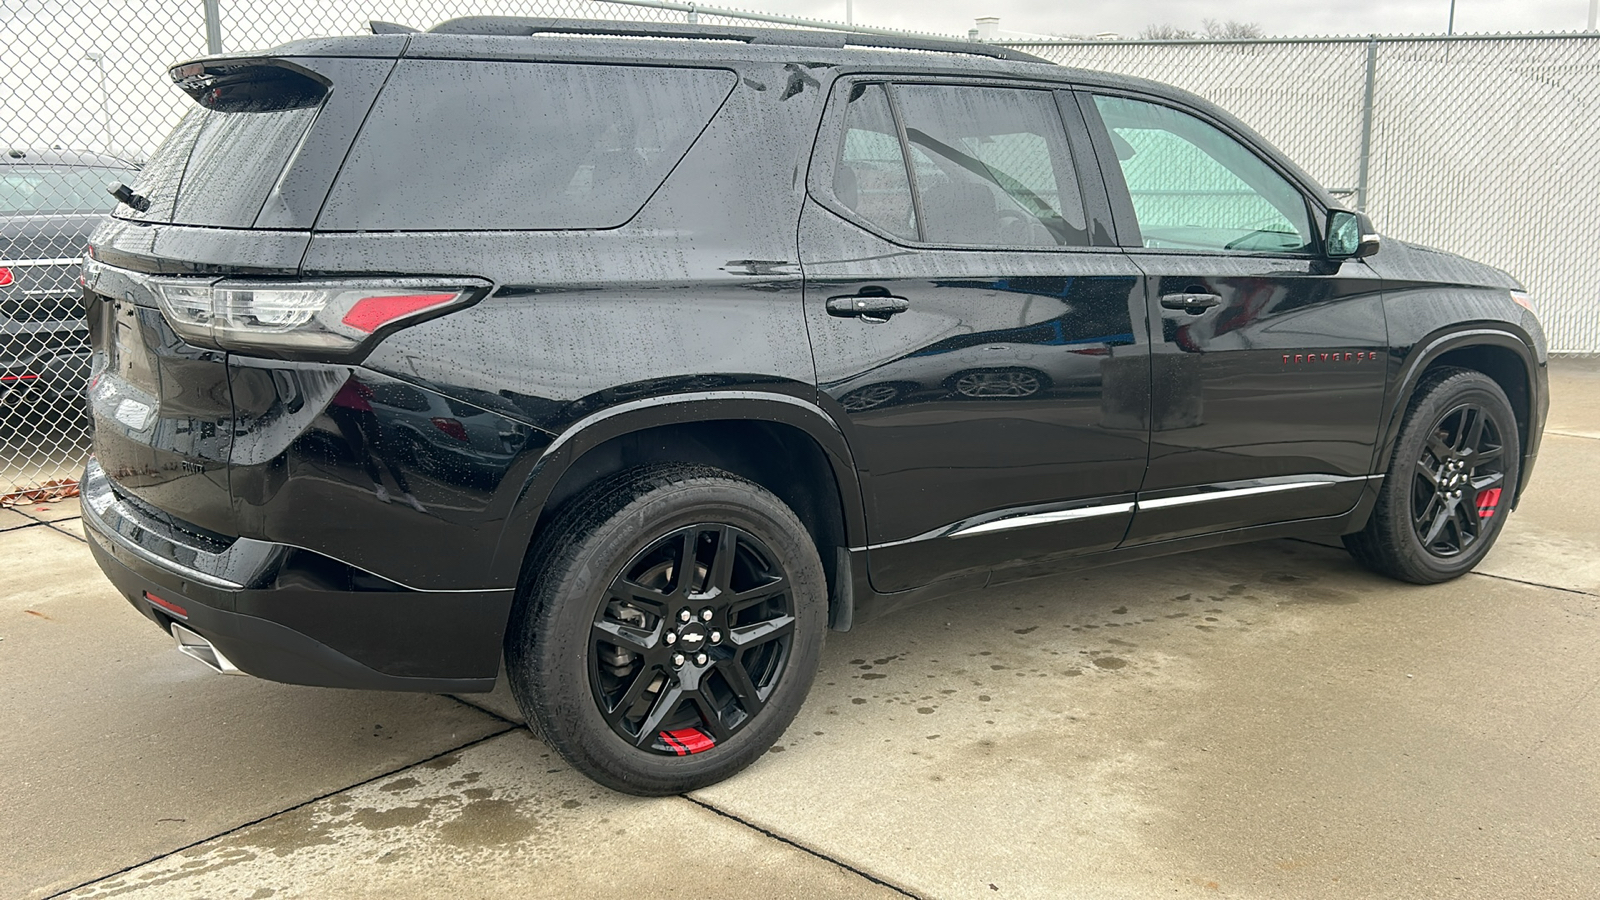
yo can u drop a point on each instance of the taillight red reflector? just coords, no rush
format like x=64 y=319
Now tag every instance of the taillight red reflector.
x=167 y=605
x=5 y=276
x=452 y=427
x=371 y=313
x=17 y=377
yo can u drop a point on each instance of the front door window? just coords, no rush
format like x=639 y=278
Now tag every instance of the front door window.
x=1195 y=188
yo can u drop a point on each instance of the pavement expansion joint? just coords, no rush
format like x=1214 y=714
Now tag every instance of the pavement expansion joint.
x=54 y=526
x=802 y=848
x=483 y=709
x=1537 y=584
x=389 y=773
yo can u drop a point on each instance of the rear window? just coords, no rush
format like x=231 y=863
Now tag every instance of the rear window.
x=31 y=190
x=218 y=165
x=456 y=145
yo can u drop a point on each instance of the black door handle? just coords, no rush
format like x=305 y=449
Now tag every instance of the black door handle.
x=1193 y=303
x=873 y=305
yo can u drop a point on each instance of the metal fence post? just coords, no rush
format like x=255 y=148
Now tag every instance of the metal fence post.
x=213 y=26
x=1366 y=124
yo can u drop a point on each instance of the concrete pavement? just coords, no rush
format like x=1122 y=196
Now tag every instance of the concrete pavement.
x=1265 y=721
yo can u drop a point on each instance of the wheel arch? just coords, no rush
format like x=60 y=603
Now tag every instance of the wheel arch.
x=786 y=444
x=1498 y=353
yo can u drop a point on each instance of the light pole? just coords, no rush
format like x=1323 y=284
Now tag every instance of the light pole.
x=99 y=61
x=1451 y=28
x=1594 y=13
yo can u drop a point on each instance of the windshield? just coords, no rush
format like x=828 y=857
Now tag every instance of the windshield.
x=39 y=189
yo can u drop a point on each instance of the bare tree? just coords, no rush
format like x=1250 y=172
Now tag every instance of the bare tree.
x=1166 y=33
x=1231 y=30
x=1214 y=30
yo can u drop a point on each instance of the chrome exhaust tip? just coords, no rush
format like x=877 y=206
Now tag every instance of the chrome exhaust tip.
x=197 y=647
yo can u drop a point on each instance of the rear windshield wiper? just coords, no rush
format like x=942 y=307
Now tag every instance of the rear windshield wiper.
x=125 y=194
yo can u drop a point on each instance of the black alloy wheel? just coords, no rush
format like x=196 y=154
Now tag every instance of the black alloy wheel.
x=690 y=639
x=1458 y=481
x=668 y=627
x=1451 y=480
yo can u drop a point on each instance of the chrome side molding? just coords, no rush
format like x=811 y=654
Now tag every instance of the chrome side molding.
x=990 y=523
x=1044 y=518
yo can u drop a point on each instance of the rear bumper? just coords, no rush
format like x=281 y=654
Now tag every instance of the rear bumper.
x=285 y=614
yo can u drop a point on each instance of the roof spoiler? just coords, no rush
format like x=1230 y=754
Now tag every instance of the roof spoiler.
x=380 y=27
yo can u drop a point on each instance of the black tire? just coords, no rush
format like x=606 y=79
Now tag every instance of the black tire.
x=628 y=536
x=1451 y=481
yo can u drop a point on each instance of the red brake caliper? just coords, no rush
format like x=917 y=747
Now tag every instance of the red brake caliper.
x=1487 y=501
x=687 y=740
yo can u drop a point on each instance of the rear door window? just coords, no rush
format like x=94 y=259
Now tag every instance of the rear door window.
x=453 y=145
x=992 y=167
x=989 y=167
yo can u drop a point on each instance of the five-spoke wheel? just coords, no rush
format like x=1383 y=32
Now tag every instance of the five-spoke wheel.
x=1458 y=481
x=1451 y=479
x=691 y=639
x=669 y=627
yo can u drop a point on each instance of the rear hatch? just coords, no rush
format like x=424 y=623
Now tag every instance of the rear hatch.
x=234 y=190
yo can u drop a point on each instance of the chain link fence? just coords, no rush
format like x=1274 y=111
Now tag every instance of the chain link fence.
x=1482 y=146
x=85 y=97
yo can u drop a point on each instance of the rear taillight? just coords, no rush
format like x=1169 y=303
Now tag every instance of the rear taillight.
x=5 y=276
x=303 y=319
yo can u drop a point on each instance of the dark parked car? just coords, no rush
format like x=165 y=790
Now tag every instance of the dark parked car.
x=551 y=339
x=50 y=200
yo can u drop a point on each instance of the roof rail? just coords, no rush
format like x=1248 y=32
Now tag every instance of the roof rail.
x=516 y=26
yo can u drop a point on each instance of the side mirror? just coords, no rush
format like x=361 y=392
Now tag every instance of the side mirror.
x=1350 y=235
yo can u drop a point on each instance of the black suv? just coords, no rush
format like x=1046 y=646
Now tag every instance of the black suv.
x=50 y=200
x=642 y=355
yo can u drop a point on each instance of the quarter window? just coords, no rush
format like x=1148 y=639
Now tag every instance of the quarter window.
x=453 y=145
x=1195 y=188
x=870 y=178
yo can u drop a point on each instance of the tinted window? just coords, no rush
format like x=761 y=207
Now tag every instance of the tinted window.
x=1195 y=188
x=992 y=167
x=225 y=155
x=489 y=145
x=870 y=178
x=37 y=189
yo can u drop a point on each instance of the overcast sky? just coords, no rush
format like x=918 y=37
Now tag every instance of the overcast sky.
x=1128 y=17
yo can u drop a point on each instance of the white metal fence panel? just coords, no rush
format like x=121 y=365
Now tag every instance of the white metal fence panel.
x=91 y=75
x=1485 y=146
x=1488 y=147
